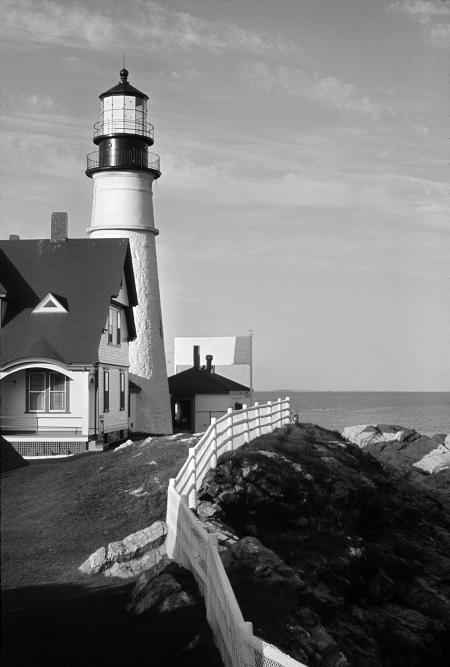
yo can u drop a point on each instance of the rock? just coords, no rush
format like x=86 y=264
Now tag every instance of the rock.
x=166 y=597
x=277 y=591
x=249 y=559
x=144 y=548
x=124 y=445
x=161 y=590
x=131 y=568
x=206 y=510
x=95 y=562
x=340 y=559
x=405 y=450
x=436 y=460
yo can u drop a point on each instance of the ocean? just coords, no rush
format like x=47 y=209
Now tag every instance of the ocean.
x=426 y=412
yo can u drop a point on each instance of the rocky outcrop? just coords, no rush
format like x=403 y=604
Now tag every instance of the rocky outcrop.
x=162 y=589
x=167 y=597
x=131 y=556
x=276 y=592
x=340 y=559
x=401 y=447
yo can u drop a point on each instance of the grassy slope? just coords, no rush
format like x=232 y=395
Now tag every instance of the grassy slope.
x=56 y=513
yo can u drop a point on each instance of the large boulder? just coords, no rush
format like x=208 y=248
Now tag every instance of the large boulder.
x=130 y=556
x=163 y=589
x=401 y=447
x=10 y=459
x=357 y=545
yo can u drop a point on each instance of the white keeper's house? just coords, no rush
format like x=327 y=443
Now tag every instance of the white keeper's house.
x=66 y=324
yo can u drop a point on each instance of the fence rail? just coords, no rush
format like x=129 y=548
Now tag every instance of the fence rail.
x=191 y=546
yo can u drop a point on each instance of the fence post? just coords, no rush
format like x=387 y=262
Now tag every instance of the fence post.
x=288 y=410
x=214 y=454
x=279 y=416
x=269 y=417
x=193 y=474
x=247 y=653
x=230 y=428
x=258 y=420
x=245 y=431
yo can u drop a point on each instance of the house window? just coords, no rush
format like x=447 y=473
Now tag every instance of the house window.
x=119 y=323
x=122 y=390
x=47 y=391
x=36 y=391
x=105 y=391
x=57 y=392
x=110 y=326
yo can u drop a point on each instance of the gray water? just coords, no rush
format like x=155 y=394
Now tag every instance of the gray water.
x=426 y=412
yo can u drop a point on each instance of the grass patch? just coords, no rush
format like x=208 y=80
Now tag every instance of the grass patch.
x=55 y=513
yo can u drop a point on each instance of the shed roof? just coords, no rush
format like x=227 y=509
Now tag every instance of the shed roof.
x=85 y=273
x=198 y=381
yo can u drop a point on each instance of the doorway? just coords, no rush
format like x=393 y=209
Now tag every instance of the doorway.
x=183 y=413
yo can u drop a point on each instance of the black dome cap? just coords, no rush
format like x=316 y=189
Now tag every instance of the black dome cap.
x=124 y=88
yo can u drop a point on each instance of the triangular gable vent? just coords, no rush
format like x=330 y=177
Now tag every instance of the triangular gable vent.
x=50 y=304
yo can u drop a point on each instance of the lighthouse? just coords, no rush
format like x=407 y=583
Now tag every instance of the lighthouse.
x=123 y=170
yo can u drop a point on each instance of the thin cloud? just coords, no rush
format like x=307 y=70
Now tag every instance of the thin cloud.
x=421 y=11
x=439 y=35
x=148 y=23
x=432 y=16
x=329 y=91
x=391 y=196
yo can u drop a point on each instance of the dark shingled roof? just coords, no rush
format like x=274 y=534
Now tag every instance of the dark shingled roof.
x=199 y=381
x=84 y=274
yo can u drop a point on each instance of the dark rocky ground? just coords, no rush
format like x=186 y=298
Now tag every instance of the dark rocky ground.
x=341 y=559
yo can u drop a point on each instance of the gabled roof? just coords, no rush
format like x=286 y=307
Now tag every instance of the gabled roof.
x=84 y=274
x=199 y=381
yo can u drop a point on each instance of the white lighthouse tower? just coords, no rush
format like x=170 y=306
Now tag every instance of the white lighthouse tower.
x=123 y=171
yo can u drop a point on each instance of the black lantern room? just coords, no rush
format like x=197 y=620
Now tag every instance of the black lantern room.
x=123 y=134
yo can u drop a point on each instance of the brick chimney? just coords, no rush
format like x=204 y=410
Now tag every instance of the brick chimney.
x=59 y=226
x=14 y=237
x=196 y=356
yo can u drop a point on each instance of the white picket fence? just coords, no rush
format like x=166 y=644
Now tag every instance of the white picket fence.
x=191 y=546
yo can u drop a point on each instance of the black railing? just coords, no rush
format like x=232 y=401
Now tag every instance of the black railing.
x=124 y=159
x=123 y=126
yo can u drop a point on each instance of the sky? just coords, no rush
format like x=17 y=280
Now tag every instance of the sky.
x=304 y=154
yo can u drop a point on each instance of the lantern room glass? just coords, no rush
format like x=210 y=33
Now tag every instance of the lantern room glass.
x=124 y=114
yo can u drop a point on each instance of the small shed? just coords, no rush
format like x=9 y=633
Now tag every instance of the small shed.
x=198 y=394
